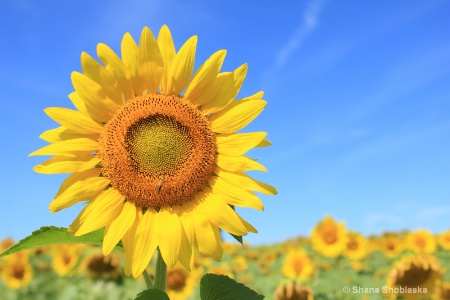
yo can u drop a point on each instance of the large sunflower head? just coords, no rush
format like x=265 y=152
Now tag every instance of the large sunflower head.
x=329 y=238
x=413 y=277
x=153 y=147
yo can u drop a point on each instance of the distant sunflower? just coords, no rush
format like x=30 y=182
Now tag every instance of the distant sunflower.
x=297 y=265
x=17 y=272
x=329 y=238
x=356 y=247
x=413 y=277
x=421 y=241
x=97 y=266
x=442 y=292
x=444 y=239
x=180 y=283
x=154 y=148
x=391 y=244
x=293 y=291
x=64 y=259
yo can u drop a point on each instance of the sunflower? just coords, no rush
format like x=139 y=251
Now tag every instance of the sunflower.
x=17 y=271
x=293 y=291
x=421 y=241
x=154 y=149
x=413 y=277
x=180 y=283
x=297 y=265
x=391 y=244
x=65 y=257
x=442 y=292
x=98 y=266
x=329 y=238
x=356 y=247
x=444 y=239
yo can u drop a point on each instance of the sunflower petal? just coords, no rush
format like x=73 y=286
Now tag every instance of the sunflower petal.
x=222 y=215
x=264 y=143
x=116 y=66
x=234 y=195
x=78 y=176
x=102 y=76
x=105 y=208
x=74 y=120
x=182 y=67
x=145 y=242
x=219 y=94
x=238 y=144
x=98 y=105
x=61 y=134
x=130 y=58
x=245 y=181
x=128 y=242
x=66 y=164
x=236 y=116
x=78 y=103
x=168 y=235
x=84 y=189
x=256 y=96
x=207 y=236
x=203 y=78
x=186 y=255
x=68 y=148
x=165 y=43
x=117 y=229
x=151 y=65
x=238 y=163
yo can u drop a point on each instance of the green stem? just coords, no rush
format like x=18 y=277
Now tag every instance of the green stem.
x=160 y=271
x=147 y=279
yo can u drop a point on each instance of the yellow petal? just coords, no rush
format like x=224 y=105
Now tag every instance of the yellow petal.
x=62 y=134
x=186 y=255
x=98 y=105
x=116 y=66
x=234 y=195
x=203 y=78
x=218 y=94
x=78 y=103
x=151 y=65
x=264 y=143
x=117 y=229
x=256 y=96
x=207 y=236
x=182 y=67
x=222 y=215
x=244 y=181
x=168 y=234
x=145 y=242
x=74 y=120
x=68 y=148
x=130 y=58
x=236 y=116
x=238 y=163
x=78 y=176
x=128 y=242
x=83 y=189
x=238 y=144
x=247 y=225
x=104 y=209
x=92 y=69
x=167 y=48
x=66 y=164
x=227 y=92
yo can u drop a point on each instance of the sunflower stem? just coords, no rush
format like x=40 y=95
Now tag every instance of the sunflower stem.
x=147 y=279
x=160 y=271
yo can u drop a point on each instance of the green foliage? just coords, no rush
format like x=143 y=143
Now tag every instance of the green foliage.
x=53 y=235
x=215 y=287
x=152 y=294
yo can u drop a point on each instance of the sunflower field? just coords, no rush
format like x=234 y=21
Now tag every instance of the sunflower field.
x=332 y=263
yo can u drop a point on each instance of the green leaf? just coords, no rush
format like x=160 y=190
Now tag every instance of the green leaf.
x=51 y=235
x=152 y=294
x=238 y=238
x=215 y=287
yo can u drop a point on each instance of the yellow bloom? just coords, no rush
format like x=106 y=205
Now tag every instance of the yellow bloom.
x=444 y=240
x=297 y=265
x=65 y=257
x=356 y=247
x=154 y=149
x=98 y=266
x=413 y=277
x=17 y=272
x=329 y=238
x=391 y=244
x=293 y=291
x=442 y=292
x=421 y=241
x=239 y=264
x=180 y=283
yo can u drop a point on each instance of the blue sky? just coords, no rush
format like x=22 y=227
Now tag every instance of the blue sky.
x=358 y=102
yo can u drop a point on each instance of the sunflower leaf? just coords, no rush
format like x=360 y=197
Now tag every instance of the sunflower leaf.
x=50 y=235
x=215 y=287
x=152 y=294
x=238 y=238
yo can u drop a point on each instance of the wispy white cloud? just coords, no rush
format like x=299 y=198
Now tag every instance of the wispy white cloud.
x=308 y=23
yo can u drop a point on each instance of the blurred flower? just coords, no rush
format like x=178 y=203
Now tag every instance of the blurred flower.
x=293 y=291
x=17 y=272
x=444 y=239
x=421 y=241
x=180 y=283
x=98 y=266
x=65 y=257
x=297 y=265
x=329 y=238
x=356 y=246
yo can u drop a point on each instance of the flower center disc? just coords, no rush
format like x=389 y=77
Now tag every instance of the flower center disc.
x=158 y=151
